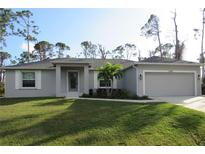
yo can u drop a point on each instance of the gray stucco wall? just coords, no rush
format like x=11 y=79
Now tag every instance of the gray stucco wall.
x=47 y=85
x=170 y=68
x=129 y=81
x=91 y=79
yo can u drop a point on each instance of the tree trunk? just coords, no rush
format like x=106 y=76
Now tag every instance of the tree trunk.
x=160 y=47
x=1 y=75
x=177 y=56
x=28 y=41
x=111 y=87
x=202 y=42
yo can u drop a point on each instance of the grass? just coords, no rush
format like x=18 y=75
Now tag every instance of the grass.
x=55 y=121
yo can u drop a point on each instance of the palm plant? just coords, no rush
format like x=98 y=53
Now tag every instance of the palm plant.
x=110 y=71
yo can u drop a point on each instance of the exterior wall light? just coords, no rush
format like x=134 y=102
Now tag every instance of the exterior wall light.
x=140 y=76
x=199 y=76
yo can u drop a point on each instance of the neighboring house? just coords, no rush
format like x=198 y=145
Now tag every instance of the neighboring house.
x=70 y=77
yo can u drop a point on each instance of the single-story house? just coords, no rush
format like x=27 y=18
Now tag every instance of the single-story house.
x=71 y=77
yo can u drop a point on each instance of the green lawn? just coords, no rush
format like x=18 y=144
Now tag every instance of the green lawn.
x=52 y=121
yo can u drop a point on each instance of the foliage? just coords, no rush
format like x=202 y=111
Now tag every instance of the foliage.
x=26 y=57
x=27 y=27
x=165 y=49
x=2 y=89
x=7 y=19
x=62 y=47
x=180 y=51
x=43 y=50
x=89 y=49
x=3 y=57
x=130 y=50
x=115 y=94
x=118 y=52
x=59 y=121
x=151 y=29
x=109 y=72
x=203 y=86
x=103 y=52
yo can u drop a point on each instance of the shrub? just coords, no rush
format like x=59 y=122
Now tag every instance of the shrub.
x=116 y=94
x=102 y=93
x=2 y=89
x=203 y=86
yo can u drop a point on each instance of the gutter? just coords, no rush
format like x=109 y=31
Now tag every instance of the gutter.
x=176 y=64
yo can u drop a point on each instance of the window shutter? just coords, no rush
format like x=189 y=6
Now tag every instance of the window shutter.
x=18 y=79
x=95 y=80
x=38 y=79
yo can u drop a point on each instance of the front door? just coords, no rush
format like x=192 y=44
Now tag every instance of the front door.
x=73 y=84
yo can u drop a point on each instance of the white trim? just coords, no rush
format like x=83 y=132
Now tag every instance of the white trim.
x=95 y=73
x=74 y=93
x=174 y=71
x=19 y=80
x=104 y=87
x=38 y=79
x=178 y=64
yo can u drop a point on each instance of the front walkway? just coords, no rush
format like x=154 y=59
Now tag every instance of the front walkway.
x=197 y=103
x=123 y=100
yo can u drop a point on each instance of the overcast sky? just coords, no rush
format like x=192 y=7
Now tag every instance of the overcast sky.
x=111 y=27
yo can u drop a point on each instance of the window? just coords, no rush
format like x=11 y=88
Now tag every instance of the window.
x=28 y=79
x=105 y=84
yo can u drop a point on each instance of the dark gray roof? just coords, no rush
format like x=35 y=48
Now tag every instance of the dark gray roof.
x=157 y=59
x=93 y=63
x=45 y=64
x=96 y=63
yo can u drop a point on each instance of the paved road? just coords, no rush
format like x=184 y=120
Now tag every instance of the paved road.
x=197 y=103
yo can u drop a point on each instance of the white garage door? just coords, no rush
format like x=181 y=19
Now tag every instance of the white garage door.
x=169 y=84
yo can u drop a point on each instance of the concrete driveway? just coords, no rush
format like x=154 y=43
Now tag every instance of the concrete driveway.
x=197 y=103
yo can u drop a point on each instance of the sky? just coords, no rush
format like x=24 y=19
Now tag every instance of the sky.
x=111 y=28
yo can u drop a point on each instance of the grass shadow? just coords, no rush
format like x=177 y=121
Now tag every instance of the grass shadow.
x=13 y=101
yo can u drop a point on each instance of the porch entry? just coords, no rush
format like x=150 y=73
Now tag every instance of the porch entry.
x=72 y=83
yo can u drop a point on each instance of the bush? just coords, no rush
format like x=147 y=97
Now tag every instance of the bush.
x=113 y=94
x=2 y=89
x=203 y=86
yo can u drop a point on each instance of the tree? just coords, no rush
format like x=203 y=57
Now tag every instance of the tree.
x=130 y=50
x=179 y=46
x=197 y=33
x=89 y=49
x=109 y=72
x=165 y=50
x=118 y=52
x=152 y=53
x=3 y=57
x=26 y=57
x=139 y=55
x=85 y=45
x=151 y=29
x=43 y=50
x=92 y=51
x=61 y=48
x=7 y=19
x=28 y=29
x=103 y=52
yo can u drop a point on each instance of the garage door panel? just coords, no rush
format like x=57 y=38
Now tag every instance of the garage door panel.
x=169 y=84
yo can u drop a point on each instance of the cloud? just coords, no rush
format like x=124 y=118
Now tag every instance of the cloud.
x=24 y=46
